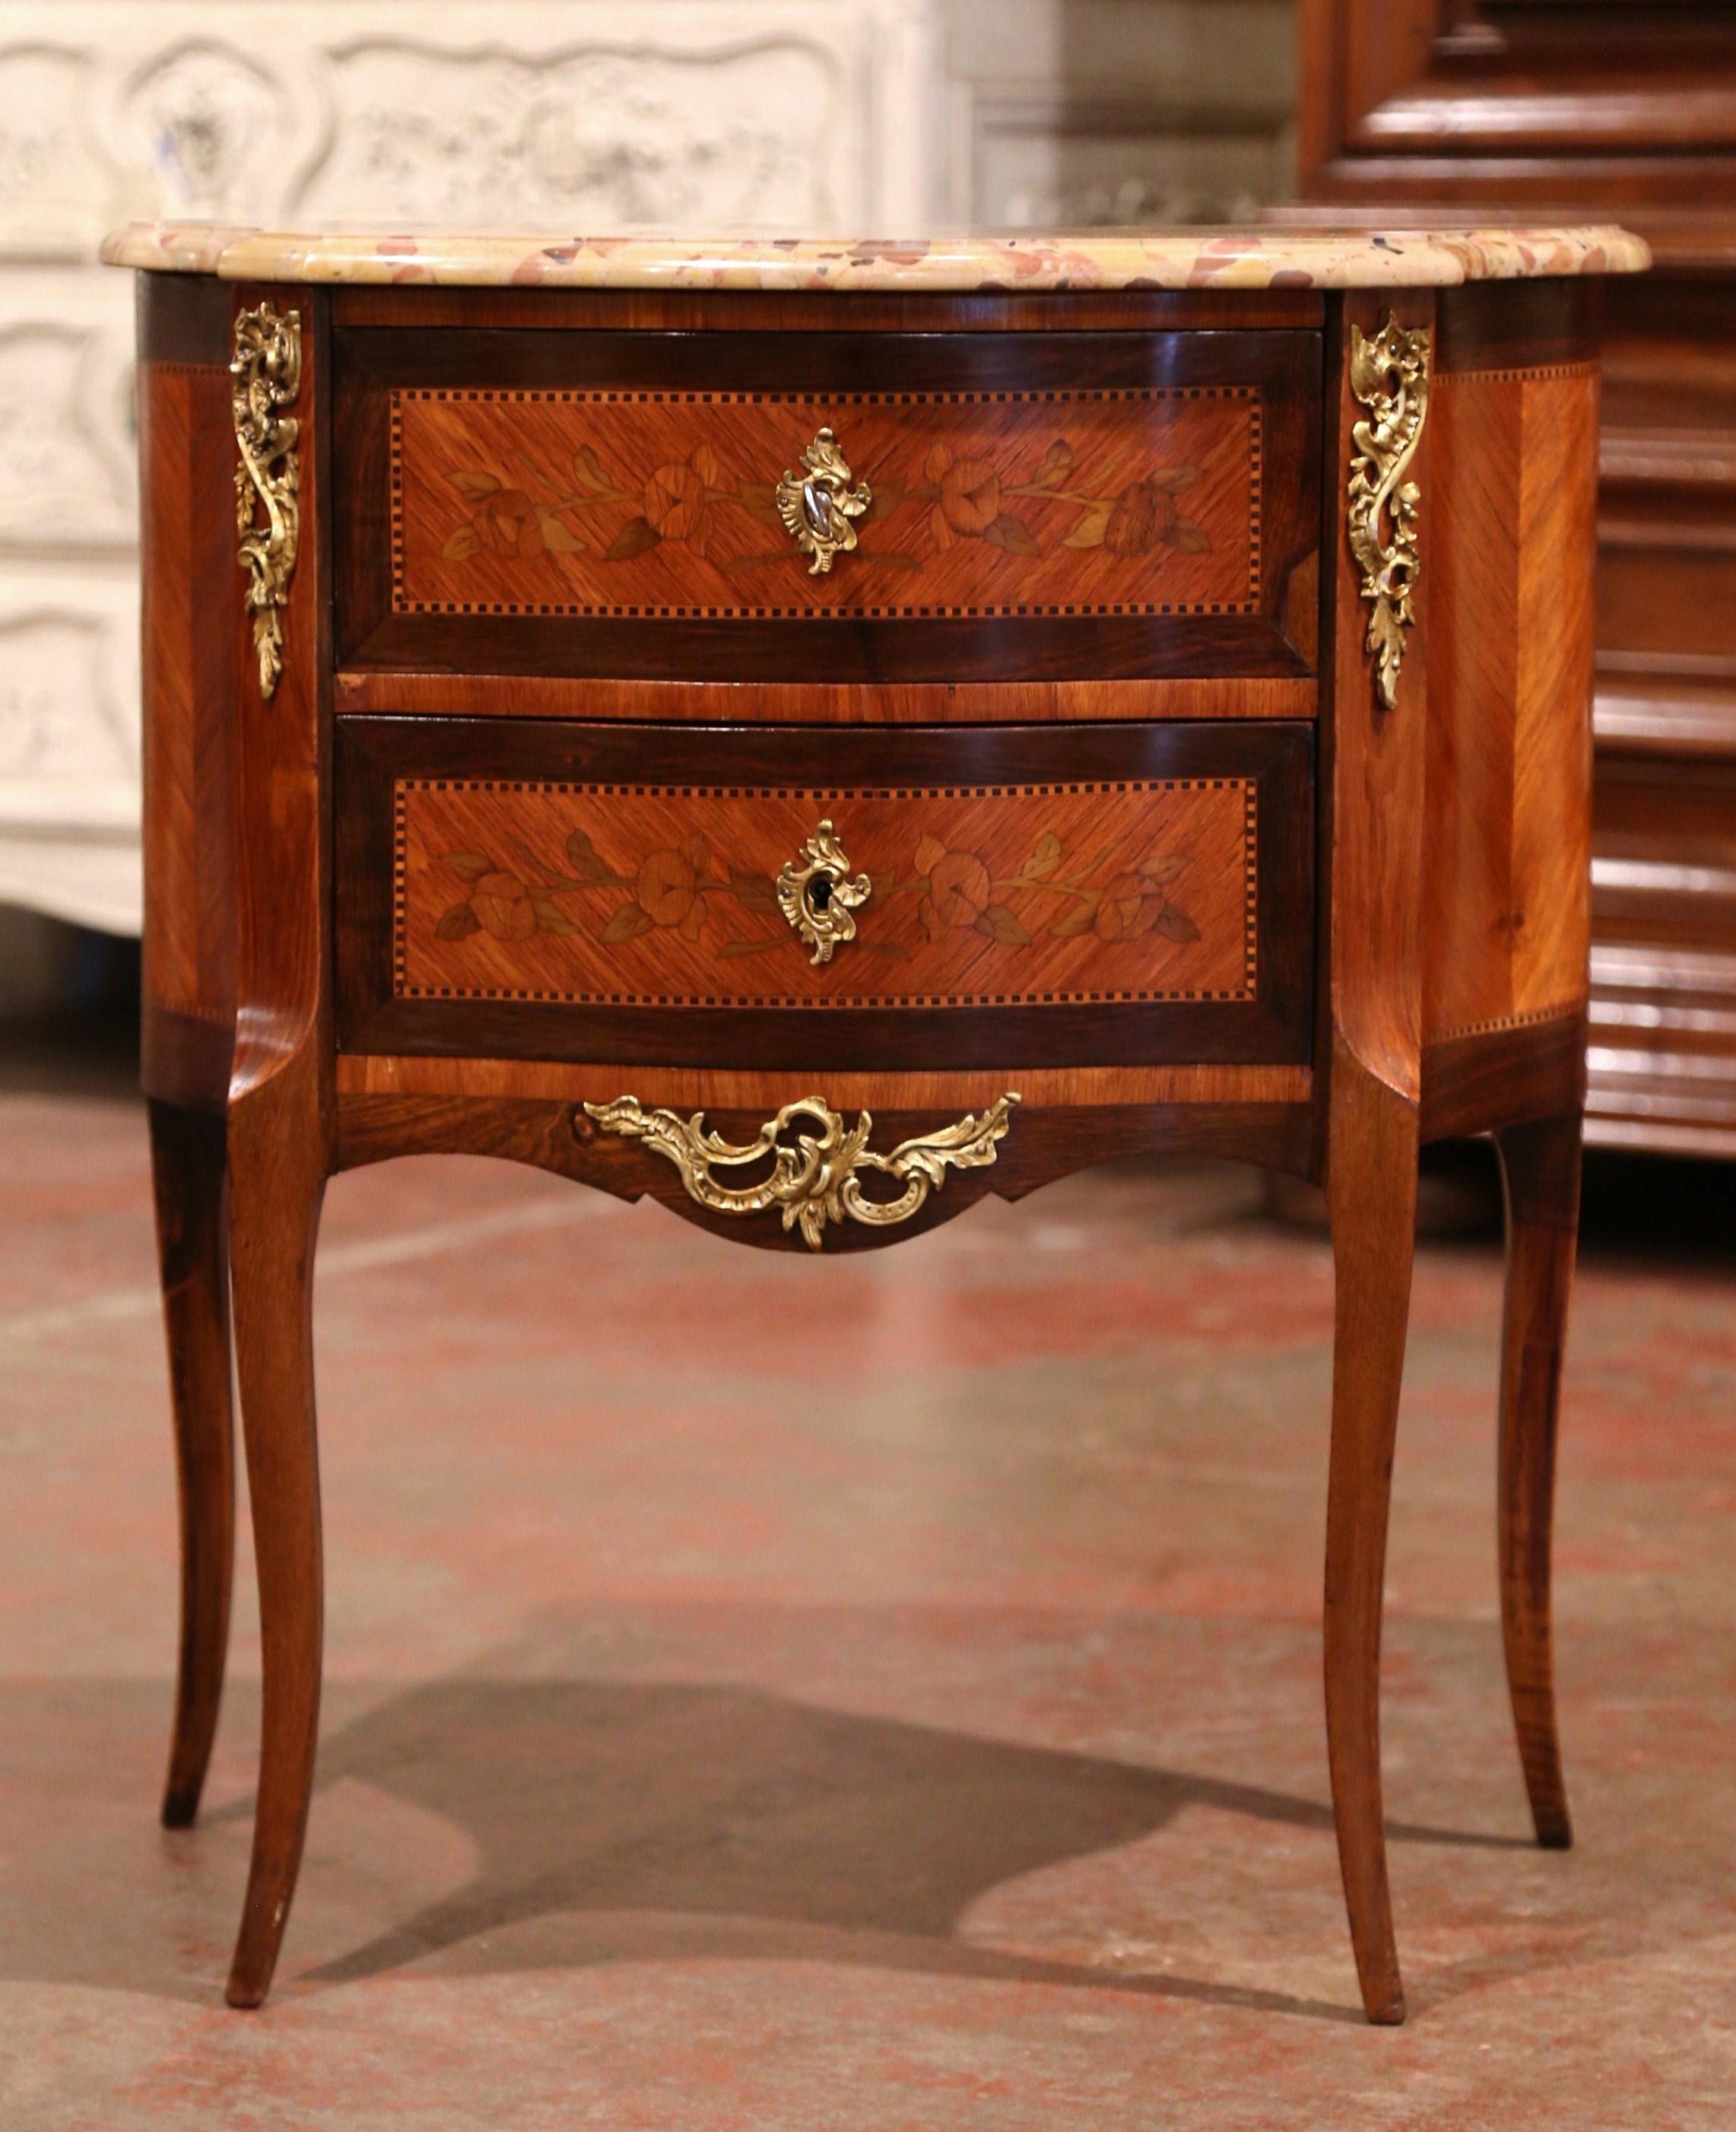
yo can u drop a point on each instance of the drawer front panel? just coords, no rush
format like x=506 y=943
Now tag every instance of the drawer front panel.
x=1084 y=505
x=663 y=506
x=646 y=895
x=597 y=893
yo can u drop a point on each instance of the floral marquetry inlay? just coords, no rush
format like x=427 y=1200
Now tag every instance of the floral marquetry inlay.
x=644 y=895
x=1138 y=502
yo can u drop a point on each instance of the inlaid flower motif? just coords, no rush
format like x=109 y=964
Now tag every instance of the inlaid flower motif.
x=958 y=891
x=505 y=522
x=1144 y=514
x=683 y=501
x=677 y=498
x=1136 y=903
x=967 y=495
x=1128 y=908
x=502 y=903
x=667 y=886
x=669 y=890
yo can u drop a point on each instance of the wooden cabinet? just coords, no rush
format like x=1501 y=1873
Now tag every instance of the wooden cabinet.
x=818 y=733
x=1416 y=110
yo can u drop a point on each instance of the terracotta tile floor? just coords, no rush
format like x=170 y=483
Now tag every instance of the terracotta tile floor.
x=773 y=1696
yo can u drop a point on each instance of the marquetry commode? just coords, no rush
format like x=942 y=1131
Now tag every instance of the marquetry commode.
x=817 y=732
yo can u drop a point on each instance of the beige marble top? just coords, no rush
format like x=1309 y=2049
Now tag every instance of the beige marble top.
x=1248 y=257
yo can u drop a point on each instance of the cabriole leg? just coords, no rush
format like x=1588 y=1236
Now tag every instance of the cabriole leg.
x=1540 y=1164
x=189 y=1178
x=277 y=1185
x=1372 y=1200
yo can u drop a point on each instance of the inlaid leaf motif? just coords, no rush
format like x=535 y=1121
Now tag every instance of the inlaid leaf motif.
x=550 y=917
x=474 y=484
x=1045 y=857
x=587 y=470
x=584 y=858
x=1058 y=464
x=1000 y=923
x=1089 y=530
x=759 y=499
x=1078 y=917
x=463 y=544
x=1163 y=867
x=1013 y=535
x=558 y=537
x=458 y=924
x=633 y=538
x=627 y=923
x=1174 y=924
x=753 y=892
x=469 y=866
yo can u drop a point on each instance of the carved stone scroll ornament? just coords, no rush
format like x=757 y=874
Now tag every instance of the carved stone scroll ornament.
x=819 y=1179
x=267 y=378
x=1390 y=376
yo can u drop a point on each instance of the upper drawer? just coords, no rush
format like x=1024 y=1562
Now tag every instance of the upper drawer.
x=598 y=503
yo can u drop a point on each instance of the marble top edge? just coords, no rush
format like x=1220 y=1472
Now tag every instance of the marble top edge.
x=1249 y=257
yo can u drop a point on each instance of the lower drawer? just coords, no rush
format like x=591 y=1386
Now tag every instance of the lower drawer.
x=1014 y=896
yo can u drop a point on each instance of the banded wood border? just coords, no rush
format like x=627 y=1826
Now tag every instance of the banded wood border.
x=827 y=797
x=401 y=604
x=1517 y=374
x=711 y=1087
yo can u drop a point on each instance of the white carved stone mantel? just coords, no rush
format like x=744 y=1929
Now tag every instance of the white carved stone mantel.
x=585 y=113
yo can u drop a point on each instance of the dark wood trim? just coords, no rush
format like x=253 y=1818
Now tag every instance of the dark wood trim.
x=749 y=311
x=1504 y=1077
x=1277 y=1029
x=183 y=318
x=184 y=1058
x=1042 y=1144
x=460 y=360
x=1501 y=325
x=795 y=704
x=1278 y=641
x=853 y=653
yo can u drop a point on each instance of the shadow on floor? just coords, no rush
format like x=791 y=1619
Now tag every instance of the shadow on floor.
x=677 y=1819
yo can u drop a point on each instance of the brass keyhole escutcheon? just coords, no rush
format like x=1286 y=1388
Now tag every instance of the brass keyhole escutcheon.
x=817 y=504
x=819 y=897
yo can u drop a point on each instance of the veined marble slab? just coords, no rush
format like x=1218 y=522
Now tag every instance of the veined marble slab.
x=1204 y=258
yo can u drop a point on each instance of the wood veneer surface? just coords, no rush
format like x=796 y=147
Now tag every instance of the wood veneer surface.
x=1417 y=109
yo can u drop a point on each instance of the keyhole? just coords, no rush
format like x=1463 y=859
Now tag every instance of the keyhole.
x=819 y=893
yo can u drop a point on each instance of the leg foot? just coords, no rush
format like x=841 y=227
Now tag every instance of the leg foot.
x=278 y=1183
x=1372 y=1198
x=189 y=1178
x=1541 y=1165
